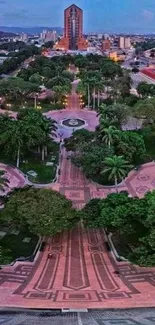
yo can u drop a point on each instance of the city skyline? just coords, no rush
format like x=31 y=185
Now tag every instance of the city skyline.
x=116 y=16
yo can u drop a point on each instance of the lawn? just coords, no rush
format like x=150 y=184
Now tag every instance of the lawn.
x=16 y=246
x=45 y=174
x=149 y=144
x=150 y=148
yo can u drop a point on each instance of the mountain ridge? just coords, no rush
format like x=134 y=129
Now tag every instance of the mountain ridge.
x=29 y=30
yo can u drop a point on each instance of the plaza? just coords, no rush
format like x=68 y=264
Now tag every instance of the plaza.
x=82 y=272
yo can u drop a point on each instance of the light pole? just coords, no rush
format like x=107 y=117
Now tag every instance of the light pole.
x=81 y=101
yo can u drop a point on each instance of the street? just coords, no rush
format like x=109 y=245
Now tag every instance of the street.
x=139 y=77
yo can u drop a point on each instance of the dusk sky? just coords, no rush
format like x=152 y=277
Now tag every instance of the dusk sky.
x=99 y=15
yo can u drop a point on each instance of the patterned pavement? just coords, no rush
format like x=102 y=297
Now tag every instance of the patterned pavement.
x=73 y=103
x=80 y=273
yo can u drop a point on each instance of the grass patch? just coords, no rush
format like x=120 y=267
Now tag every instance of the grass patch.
x=150 y=148
x=149 y=144
x=45 y=174
x=15 y=245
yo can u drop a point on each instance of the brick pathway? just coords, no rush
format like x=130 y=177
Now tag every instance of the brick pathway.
x=80 y=273
x=73 y=103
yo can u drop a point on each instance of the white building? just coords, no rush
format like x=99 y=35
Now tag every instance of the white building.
x=100 y=36
x=43 y=34
x=124 y=42
x=23 y=37
x=48 y=35
x=106 y=36
x=51 y=36
x=127 y=42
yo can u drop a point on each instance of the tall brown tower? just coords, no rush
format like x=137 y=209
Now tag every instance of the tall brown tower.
x=73 y=17
x=73 y=30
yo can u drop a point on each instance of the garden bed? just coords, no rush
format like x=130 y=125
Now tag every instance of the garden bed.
x=121 y=246
x=126 y=243
x=17 y=244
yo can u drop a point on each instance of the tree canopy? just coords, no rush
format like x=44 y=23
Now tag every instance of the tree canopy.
x=130 y=219
x=44 y=212
x=29 y=131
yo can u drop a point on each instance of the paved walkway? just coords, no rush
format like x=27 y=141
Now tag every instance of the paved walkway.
x=73 y=102
x=80 y=273
x=14 y=176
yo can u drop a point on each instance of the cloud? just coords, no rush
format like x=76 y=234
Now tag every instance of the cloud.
x=148 y=14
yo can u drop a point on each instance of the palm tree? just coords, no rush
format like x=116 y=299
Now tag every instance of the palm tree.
x=117 y=113
x=117 y=168
x=95 y=83
x=99 y=88
x=91 y=80
x=85 y=85
x=110 y=134
x=3 y=180
x=49 y=128
x=92 y=83
x=12 y=139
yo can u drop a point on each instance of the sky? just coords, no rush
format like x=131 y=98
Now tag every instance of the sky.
x=99 y=15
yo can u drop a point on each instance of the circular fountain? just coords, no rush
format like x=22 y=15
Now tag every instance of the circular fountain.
x=75 y=123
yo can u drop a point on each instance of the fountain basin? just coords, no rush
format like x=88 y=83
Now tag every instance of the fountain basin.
x=75 y=123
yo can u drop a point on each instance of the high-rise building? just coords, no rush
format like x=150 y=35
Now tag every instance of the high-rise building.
x=73 y=30
x=23 y=37
x=127 y=42
x=51 y=36
x=99 y=36
x=48 y=35
x=43 y=34
x=106 y=44
x=106 y=36
x=121 y=42
x=124 y=42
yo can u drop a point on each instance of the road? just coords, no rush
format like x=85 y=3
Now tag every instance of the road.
x=24 y=65
x=93 y=317
x=143 y=63
x=139 y=77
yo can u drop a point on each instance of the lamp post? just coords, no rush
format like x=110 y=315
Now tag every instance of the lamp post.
x=81 y=101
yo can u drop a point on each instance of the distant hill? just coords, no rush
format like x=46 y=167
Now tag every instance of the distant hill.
x=6 y=34
x=30 y=30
